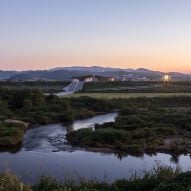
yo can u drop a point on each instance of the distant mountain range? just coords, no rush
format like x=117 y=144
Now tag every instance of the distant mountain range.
x=66 y=73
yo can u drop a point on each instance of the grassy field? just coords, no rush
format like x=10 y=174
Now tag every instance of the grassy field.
x=45 y=86
x=137 y=87
x=128 y=95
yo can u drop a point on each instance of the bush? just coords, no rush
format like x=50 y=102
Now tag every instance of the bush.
x=170 y=187
x=11 y=133
x=48 y=184
x=158 y=179
x=9 y=182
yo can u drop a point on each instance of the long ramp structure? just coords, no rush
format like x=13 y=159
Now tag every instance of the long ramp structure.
x=74 y=86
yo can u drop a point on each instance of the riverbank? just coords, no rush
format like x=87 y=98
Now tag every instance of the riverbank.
x=175 y=147
x=146 y=125
x=143 y=123
x=158 y=179
x=136 y=151
x=12 y=131
x=23 y=107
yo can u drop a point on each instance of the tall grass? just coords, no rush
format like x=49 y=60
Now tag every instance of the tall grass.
x=158 y=179
x=9 y=182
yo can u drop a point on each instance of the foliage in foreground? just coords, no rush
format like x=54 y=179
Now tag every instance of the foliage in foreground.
x=158 y=179
x=9 y=182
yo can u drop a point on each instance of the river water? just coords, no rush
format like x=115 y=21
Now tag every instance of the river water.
x=45 y=152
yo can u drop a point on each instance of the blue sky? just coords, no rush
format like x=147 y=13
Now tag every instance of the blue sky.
x=39 y=34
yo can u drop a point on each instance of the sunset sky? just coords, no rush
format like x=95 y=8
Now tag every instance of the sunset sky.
x=42 y=34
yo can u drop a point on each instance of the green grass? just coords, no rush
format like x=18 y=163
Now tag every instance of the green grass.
x=128 y=95
x=136 y=87
x=158 y=179
x=145 y=124
x=45 y=86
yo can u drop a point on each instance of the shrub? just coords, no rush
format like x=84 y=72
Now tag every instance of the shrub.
x=9 y=182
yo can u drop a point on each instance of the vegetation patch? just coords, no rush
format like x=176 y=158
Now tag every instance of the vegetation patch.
x=137 y=87
x=11 y=133
x=123 y=95
x=158 y=179
x=142 y=125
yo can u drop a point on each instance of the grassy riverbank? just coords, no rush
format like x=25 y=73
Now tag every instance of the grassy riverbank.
x=33 y=107
x=143 y=125
x=158 y=179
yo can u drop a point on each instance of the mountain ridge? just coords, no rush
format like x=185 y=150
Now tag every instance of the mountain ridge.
x=66 y=73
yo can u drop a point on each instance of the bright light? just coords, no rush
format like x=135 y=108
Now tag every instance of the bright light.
x=166 y=78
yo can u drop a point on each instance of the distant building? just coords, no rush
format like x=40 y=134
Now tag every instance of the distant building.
x=88 y=78
x=104 y=78
x=133 y=78
x=143 y=79
x=75 y=80
x=91 y=78
x=128 y=77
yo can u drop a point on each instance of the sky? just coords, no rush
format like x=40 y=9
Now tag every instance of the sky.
x=43 y=34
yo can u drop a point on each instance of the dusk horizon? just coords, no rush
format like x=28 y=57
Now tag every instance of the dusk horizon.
x=91 y=66
x=44 y=34
x=95 y=95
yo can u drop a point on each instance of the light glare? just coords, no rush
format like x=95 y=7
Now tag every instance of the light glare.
x=166 y=78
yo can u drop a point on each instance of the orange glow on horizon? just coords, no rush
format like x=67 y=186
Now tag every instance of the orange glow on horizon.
x=164 y=64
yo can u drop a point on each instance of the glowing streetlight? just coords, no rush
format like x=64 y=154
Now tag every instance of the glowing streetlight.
x=166 y=78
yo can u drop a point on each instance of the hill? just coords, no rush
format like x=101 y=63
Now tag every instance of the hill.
x=66 y=73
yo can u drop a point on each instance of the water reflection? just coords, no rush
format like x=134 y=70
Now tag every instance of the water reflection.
x=69 y=127
x=174 y=158
x=121 y=155
x=45 y=151
x=53 y=137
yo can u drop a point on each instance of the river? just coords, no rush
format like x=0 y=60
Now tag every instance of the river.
x=45 y=152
